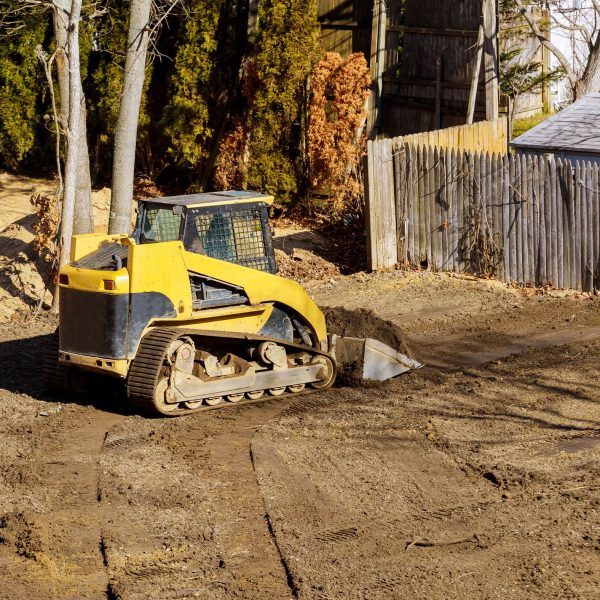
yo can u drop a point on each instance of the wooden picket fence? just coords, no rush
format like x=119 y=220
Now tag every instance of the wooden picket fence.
x=530 y=220
x=484 y=136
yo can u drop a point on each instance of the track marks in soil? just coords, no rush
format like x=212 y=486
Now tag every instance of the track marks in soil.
x=186 y=511
x=66 y=560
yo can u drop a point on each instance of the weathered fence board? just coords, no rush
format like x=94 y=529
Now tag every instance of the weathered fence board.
x=485 y=136
x=524 y=219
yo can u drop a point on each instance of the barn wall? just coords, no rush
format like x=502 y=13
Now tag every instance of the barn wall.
x=430 y=50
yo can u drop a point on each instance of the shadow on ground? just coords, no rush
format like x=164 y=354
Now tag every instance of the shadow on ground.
x=21 y=367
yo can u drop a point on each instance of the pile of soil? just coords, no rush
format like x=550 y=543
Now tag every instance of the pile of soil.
x=302 y=266
x=363 y=323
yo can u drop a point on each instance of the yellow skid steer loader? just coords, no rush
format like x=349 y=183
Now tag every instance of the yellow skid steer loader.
x=189 y=311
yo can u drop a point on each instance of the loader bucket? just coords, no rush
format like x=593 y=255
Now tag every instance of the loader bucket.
x=376 y=360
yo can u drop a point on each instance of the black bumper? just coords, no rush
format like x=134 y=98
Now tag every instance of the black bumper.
x=105 y=325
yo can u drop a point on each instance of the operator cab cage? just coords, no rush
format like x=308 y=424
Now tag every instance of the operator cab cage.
x=232 y=226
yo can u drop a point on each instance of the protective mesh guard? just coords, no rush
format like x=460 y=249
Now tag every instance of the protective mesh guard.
x=233 y=234
x=161 y=225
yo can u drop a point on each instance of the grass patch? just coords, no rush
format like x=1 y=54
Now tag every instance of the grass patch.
x=520 y=126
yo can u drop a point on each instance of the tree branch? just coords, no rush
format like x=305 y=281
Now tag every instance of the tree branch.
x=539 y=34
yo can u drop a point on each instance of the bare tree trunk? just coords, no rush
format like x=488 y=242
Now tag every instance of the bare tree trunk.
x=590 y=80
x=73 y=134
x=543 y=39
x=127 y=123
x=83 y=213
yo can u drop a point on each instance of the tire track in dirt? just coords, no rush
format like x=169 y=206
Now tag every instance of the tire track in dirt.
x=187 y=516
x=56 y=550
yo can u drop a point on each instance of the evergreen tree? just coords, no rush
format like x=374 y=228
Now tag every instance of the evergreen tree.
x=286 y=49
x=22 y=106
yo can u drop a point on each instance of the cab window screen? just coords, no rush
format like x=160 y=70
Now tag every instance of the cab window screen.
x=160 y=225
x=232 y=234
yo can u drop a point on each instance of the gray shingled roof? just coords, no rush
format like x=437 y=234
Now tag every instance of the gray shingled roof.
x=573 y=129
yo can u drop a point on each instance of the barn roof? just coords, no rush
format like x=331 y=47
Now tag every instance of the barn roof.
x=573 y=129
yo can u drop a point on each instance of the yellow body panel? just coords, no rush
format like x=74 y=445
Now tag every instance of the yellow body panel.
x=119 y=367
x=82 y=245
x=164 y=267
x=261 y=287
x=89 y=280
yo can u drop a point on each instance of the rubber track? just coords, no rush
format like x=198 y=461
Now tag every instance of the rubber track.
x=146 y=366
x=55 y=376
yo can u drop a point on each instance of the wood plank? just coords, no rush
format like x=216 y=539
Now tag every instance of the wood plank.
x=428 y=177
x=514 y=203
x=461 y=216
x=578 y=227
x=422 y=213
x=410 y=216
x=433 y=31
x=525 y=219
x=453 y=262
x=548 y=222
x=369 y=204
x=531 y=262
x=596 y=224
x=555 y=225
x=496 y=206
x=584 y=228
x=560 y=237
x=541 y=277
x=445 y=216
x=434 y=191
x=399 y=163
x=519 y=202
x=566 y=224
x=477 y=213
x=505 y=199
x=589 y=227
x=570 y=184
x=483 y=196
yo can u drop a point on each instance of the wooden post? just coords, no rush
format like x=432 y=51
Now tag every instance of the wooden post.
x=377 y=66
x=490 y=47
x=438 y=93
x=475 y=77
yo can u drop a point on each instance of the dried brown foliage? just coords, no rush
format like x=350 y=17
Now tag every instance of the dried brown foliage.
x=230 y=166
x=46 y=227
x=336 y=136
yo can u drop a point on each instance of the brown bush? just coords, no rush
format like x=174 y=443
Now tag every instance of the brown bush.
x=336 y=136
x=46 y=227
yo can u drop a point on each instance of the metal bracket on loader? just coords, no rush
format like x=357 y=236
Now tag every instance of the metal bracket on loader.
x=377 y=360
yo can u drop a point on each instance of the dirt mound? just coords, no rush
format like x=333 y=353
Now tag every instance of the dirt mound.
x=26 y=532
x=364 y=323
x=302 y=265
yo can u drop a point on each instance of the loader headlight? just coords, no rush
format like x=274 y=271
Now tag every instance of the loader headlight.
x=109 y=284
x=63 y=279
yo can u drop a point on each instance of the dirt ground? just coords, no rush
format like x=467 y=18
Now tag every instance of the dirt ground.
x=474 y=477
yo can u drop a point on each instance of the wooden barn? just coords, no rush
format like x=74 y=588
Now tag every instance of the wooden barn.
x=427 y=58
